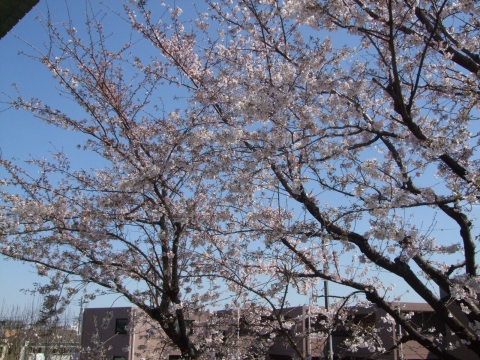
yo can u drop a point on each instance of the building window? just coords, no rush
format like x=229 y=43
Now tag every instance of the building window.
x=121 y=327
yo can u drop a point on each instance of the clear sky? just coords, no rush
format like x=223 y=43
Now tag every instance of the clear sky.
x=21 y=134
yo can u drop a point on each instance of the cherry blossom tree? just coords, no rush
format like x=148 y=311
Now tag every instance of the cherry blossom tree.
x=317 y=138
x=384 y=123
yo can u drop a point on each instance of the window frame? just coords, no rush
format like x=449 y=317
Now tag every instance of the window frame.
x=121 y=326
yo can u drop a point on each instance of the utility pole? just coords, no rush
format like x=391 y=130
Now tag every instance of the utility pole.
x=400 y=337
x=329 y=333
x=238 y=333
x=327 y=304
x=81 y=302
x=309 y=331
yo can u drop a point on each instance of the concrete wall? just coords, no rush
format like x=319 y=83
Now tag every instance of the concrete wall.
x=99 y=335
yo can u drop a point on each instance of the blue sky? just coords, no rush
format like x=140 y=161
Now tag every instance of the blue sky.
x=22 y=135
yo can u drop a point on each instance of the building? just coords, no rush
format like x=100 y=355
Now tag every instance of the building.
x=21 y=340
x=125 y=334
